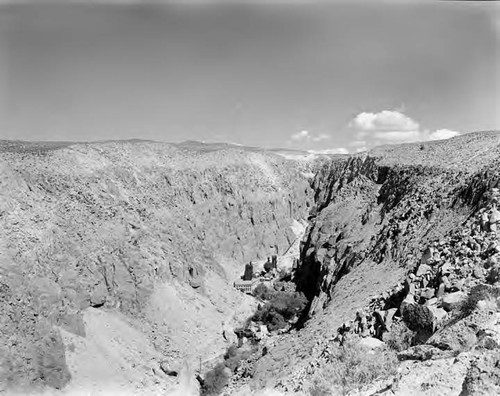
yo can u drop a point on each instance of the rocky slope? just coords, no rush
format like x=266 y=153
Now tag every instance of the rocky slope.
x=125 y=252
x=379 y=221
x=117 y=258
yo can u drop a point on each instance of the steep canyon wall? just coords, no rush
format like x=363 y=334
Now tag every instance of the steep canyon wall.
x=152 y=233
x=374 y=216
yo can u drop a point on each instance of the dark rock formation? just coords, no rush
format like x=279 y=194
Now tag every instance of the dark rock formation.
x=392 y=233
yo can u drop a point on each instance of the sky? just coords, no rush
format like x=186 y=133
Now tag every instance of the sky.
x=332 y=76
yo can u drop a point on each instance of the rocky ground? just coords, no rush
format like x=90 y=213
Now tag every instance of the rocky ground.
x=125 y=253
x=382 y=228
x=117 y=258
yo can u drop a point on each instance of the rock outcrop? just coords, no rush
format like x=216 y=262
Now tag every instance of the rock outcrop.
x=393 y=233
x=154 y=231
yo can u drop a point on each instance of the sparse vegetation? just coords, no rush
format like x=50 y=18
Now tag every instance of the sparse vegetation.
x=399 y=337
x=234 y=356
x=282 y=307
x=351 y=366
x=493 y=276
x=216 y=379
x=476 y=294
x=262 y=292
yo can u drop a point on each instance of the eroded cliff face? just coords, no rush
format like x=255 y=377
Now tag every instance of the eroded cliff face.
x=153 y=234
x=374 y=211
x=374 y=217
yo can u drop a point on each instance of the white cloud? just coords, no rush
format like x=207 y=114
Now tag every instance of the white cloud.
x=306 y=136
x=386 y=120
x=300 y=136
x=441 y=134
x=390 y=127
x=339 y=150
x=321 y=137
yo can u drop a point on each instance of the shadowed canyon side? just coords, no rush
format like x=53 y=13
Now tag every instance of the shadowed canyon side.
x=117 y=257
x=374 y=217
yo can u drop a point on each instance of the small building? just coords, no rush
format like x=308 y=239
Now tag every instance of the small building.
x=244 y=286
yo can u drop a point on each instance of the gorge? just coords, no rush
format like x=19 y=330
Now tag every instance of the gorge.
x=118 y=258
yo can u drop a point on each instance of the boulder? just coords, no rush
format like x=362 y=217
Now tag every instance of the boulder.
x=491 y=262
x=431 y=377
x=453 y=301
x=195 y=282
x=446 y=268
x=388 y=317
x=457 y=284
x=487 y=305
x=478 y=272
x=494 y=216
x=447 y=283
x=165 y=367
x=229 y=334
x=427 y=256
x=427 y=293
x=423 y=269
x=483 y=375
x=459 y=336
x=432 y=301
x=440 y=291
x=371 y=343
x=439 y=315
x=423 y=352
x=380 y=316
x=484 y=221
x=98 y=296
x=264 y=332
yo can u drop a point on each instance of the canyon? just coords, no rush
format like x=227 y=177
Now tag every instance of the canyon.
x=117 y=262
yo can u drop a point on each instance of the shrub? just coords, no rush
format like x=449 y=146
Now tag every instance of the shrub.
x=399 y=337
x=351 y=366
x=476 y=294
x=493 y=276
x=233 y=362
x=215 y=380
x=262 y=292
x=273 y=319
x=283 y=306
x=418 y=317
x=319 y=388
x=234 y=356
x=231 y=351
